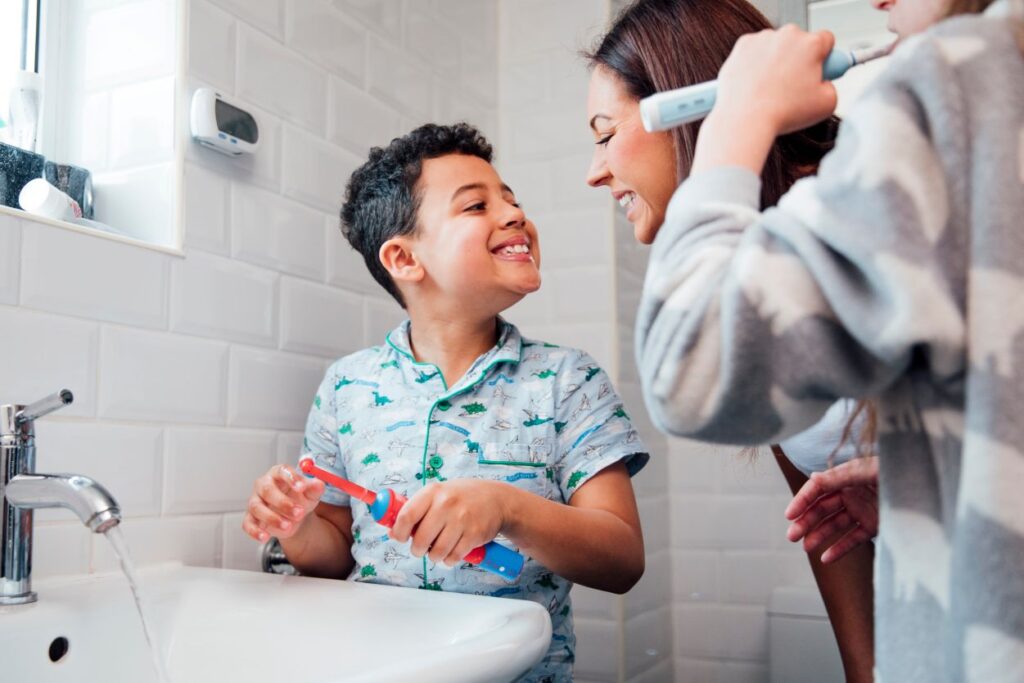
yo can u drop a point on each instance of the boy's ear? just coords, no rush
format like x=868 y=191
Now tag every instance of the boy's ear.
x=398 y=258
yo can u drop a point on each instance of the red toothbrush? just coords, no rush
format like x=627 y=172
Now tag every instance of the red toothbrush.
x=384 y=507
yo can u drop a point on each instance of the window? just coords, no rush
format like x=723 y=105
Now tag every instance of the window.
x=19 y=47
x=110 y=73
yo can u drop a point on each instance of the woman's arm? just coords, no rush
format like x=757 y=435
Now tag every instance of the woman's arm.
x=751 y=324
x=846 y=587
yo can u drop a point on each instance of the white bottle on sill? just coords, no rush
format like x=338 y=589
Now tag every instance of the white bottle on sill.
x=43 y=199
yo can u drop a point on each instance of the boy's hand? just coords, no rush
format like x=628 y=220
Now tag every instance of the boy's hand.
x=776 y=76
x=280 y=501
x=446 y=521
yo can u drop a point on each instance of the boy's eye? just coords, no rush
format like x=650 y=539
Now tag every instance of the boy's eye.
x=479 y=206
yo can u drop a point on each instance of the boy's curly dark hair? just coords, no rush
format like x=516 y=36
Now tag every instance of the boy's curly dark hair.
x=381 y=200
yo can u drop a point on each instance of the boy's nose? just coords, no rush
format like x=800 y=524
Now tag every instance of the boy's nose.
x=516 y=218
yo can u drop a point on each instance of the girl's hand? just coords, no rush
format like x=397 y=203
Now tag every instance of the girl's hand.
x=446 y=521
x=842 y=500
x=776 y=77
x=281 y=499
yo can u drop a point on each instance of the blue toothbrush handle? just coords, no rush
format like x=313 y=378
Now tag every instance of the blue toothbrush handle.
x=836 y=64
x=504 y=562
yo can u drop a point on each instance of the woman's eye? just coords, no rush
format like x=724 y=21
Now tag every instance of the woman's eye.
x=604 y=140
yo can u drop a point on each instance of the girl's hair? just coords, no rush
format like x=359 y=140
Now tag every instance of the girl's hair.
x=656 y=45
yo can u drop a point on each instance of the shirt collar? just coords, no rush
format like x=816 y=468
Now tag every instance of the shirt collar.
x=509 y=348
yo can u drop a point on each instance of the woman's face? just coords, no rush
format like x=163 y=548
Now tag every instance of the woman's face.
x=907 y=17
x=638 y=167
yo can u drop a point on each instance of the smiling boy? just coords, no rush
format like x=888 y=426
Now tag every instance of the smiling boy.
x=489 y=434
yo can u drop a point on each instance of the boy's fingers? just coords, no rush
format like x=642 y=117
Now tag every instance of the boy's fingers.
x=312 y=489
x=459 y=552
x=444 y=544
x=411 y=514
x=288 y=479
x=250 y=527
x=425 y=534
x=284 y=504
x=268 y=517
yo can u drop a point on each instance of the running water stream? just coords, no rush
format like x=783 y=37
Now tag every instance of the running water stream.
x=116 y=539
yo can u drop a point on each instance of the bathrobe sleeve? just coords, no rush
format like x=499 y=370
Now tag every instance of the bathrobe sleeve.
x=752 y=324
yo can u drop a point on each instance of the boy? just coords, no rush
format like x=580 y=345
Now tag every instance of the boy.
x=487 y=433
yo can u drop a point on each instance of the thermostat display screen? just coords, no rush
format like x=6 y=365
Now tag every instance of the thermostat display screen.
x=235 y=122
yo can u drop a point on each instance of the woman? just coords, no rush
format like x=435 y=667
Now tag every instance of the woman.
x=896 y=274
x=657 y=45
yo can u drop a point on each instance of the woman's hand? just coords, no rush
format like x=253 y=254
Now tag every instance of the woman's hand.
x=770 y=85
x=776 y=77
x=842 y=500
x=445 y=521
x=281 y=499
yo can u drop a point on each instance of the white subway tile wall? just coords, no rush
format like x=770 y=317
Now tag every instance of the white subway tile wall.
x=10 y=259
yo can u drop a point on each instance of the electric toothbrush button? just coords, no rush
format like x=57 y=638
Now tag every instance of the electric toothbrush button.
x=222 y=136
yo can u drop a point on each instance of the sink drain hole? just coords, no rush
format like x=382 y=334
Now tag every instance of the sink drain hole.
x=58 y=648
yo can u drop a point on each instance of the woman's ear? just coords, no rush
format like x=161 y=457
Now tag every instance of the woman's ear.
x=398 y=258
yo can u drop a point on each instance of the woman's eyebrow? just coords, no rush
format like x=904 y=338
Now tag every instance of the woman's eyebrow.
x=595 y=117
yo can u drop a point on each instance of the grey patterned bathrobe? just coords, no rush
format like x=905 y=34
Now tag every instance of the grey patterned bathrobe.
x=897 y=272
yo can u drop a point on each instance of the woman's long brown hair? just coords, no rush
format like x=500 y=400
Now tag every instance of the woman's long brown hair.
x=656 y=45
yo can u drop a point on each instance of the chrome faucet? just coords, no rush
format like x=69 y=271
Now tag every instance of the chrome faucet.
x=22 y=490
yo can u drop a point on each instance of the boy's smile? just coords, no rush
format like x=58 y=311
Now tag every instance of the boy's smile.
x=515 y=248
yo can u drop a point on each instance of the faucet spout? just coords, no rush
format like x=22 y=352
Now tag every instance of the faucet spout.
x=85 y=497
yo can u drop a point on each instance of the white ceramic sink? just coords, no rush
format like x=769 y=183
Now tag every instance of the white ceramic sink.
x=223 y=625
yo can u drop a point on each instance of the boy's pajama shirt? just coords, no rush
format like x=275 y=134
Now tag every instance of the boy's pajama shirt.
x=541 y=417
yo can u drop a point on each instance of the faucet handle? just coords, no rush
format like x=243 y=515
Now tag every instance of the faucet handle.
x=43 y=406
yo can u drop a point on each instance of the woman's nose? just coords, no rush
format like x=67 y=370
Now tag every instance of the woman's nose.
x=883 y=5
x=597 y=174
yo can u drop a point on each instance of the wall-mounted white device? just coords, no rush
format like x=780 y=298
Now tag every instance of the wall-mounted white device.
x=220 y=125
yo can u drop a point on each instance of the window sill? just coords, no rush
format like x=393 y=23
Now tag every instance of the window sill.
x=26 y=216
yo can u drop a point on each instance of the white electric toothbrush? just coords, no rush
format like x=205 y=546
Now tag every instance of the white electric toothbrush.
x=665 y=110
